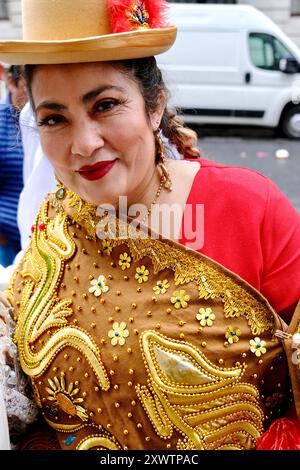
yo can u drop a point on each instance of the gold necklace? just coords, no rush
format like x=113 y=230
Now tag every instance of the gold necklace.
x=85 y=213
x=161 y=184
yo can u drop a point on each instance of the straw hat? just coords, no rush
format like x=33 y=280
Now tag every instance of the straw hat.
x=73 y=31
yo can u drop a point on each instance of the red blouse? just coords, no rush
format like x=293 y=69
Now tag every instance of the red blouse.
x=251 y=228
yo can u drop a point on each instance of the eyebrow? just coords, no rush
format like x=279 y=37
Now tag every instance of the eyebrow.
x=87 y=98
x=91 y=95
x=51 y=106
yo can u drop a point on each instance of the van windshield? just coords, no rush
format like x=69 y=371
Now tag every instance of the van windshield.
x=266 y=51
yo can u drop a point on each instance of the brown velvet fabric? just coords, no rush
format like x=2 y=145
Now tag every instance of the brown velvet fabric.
x=173 y=383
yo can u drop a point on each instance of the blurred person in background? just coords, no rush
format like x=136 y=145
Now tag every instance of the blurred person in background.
x=11 y=164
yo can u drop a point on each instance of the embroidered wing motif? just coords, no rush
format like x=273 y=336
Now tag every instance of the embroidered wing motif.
x=209 y=405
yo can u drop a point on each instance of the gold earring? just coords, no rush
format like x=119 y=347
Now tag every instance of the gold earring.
x=160 y=152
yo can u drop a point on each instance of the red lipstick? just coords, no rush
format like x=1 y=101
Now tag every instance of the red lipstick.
x=97 y=171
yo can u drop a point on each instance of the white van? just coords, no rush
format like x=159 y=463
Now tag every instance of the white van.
x=232 y=64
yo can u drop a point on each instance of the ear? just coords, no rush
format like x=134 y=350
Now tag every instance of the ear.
x=156 y=116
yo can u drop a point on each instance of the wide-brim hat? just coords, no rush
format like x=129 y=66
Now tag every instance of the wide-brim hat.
x=73 y=31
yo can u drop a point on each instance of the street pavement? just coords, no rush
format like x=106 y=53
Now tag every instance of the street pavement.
x=254 y=148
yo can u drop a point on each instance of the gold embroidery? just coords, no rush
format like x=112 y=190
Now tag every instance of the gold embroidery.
x=42 y=311
x=212 y=282
x=155 y=412
x=64 y=427
x=195 y=397
x=82 y=212
x=100 y=441
x=65 y=397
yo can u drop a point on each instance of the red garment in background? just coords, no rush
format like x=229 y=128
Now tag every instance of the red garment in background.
x=251 y=228
x=283 y=434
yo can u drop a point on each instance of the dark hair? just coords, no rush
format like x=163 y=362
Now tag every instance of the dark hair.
x=149 y=78
x=16 y=72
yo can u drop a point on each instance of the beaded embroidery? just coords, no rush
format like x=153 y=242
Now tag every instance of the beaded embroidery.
x=187 y=397
x=138 y=15
x=41 y=310
x=190 y=394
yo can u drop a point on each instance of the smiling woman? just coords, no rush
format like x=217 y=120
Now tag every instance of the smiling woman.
x=166 y=314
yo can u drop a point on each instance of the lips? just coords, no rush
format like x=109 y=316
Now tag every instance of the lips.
x=97 y=171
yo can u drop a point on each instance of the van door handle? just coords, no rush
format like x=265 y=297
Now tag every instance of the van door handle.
x=247 y=77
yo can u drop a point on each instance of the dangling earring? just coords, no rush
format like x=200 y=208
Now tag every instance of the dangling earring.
x=61 y=192
x=60 y=195
x=161 y=161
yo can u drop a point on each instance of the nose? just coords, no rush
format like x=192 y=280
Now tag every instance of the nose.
x=87 y=138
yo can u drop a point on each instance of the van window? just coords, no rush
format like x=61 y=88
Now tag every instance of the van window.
x=266 y=51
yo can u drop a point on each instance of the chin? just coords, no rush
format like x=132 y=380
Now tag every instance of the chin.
x=98 y=200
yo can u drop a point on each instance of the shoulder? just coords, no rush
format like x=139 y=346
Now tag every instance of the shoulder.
x=233 y=184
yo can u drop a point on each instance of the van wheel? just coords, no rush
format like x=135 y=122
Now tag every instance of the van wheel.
x=291 y=123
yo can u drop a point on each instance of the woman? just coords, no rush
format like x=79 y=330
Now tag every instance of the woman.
x=114 y=321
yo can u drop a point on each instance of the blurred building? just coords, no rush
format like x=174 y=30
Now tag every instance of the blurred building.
x=286 y=13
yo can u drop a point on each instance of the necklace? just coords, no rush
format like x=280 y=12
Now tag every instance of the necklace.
x=161 y=184
x=85 y=213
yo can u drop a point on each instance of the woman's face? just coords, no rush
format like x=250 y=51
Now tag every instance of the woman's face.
x=94 y=130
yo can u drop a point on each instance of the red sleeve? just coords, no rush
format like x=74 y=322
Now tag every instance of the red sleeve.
x=280 y=239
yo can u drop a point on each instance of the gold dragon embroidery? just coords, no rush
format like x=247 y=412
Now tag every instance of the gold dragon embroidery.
x=41 y=311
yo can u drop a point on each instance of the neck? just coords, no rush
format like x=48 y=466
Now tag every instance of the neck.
x=147 y=190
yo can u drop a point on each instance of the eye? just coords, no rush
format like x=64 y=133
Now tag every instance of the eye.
x=106 y=105
x=51 y=121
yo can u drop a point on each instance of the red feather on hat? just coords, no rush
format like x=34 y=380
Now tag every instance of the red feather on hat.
x=130 y=15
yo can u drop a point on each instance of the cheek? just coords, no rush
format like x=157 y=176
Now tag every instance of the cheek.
x=54 y=147
x=134 y=138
